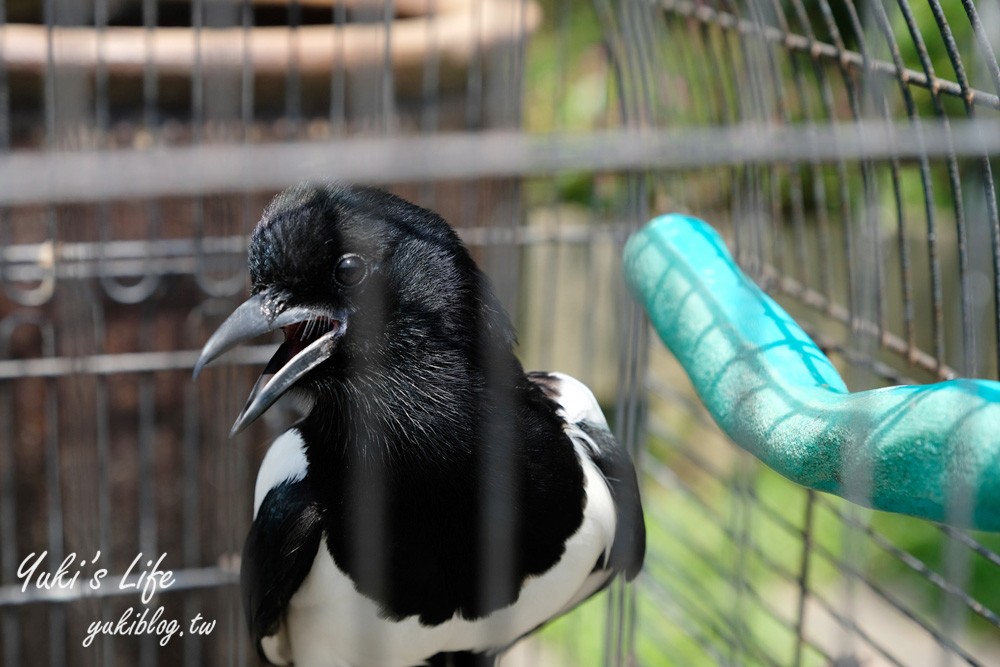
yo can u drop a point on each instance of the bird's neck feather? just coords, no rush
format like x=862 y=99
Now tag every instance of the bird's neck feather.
x=411 y=409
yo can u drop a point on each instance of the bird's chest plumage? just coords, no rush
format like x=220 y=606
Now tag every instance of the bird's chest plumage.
x=404 y=562
x=333 y=620
x=411 y=565
x=458 y=536
x=328 y=622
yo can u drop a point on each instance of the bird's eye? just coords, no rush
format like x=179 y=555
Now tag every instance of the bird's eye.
x=351 y=270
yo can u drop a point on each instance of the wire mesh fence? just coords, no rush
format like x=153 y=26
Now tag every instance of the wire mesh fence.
x=845 y=149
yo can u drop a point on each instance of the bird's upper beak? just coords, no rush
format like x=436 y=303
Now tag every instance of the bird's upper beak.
x=310 y=338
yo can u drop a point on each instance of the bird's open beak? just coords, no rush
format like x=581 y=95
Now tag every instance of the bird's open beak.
x=310 y=338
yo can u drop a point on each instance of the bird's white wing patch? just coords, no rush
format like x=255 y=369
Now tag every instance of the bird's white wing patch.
x=577 y=403
x=600 y=509
x=285 y=461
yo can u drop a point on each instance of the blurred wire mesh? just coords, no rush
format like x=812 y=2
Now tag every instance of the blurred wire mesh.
x=844 y=148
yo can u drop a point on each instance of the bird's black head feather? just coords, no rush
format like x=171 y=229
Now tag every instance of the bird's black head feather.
x=421 y=279
x=427 y=353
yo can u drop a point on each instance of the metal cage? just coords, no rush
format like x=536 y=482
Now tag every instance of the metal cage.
x=844 y=147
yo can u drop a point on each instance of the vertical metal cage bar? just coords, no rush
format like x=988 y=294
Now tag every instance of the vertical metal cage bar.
x=988 y=57
x=9 y=544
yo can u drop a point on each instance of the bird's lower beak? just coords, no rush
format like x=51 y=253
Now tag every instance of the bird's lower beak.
x=310 y=338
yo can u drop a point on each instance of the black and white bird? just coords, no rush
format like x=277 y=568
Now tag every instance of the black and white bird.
x=436 y=502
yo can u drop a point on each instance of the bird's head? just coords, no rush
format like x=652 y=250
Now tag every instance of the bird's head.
x=356 y=278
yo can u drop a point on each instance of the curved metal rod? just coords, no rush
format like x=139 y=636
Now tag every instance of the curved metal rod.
x=122 y=293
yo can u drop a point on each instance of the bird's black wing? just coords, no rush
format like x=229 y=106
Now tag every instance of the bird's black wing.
x=586 y=425
x=629 y=546
x=277 y=556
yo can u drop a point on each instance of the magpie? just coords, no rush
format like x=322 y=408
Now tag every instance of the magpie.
x=436 y=502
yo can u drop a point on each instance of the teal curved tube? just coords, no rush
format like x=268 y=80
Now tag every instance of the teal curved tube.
x=931 y=451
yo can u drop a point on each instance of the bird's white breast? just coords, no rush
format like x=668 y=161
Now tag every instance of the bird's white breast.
x=577 y=403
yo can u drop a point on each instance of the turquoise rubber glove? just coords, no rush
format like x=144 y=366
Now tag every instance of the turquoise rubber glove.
x=932 y=451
